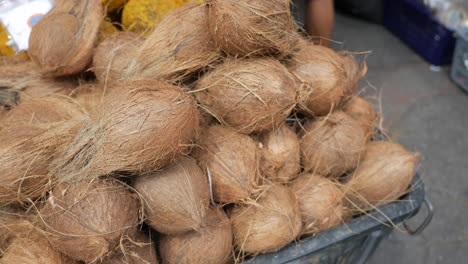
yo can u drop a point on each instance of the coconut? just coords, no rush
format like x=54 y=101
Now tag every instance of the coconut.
x=280 y=158
x=62 y=42
x=384 y=175
x=320 y=202
x=363 y=112
x=321 y=79
x=32 y=135
x=33 y=251
x=111 y=56
x=210 y=245
x=250 y=95
x=141 y=126
x=90 y=97
x=182 y=198
x=249 y=28
x=332 y=145
x=268 y=225
x=179 y=47
x=25 y=78
x=231 y=160
x=137 y=249
x=86 y=220
x=354 y=72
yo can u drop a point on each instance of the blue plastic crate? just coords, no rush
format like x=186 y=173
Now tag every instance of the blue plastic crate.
x=415 y=25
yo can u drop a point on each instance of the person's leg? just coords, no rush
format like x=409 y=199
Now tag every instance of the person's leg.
x=319 y=20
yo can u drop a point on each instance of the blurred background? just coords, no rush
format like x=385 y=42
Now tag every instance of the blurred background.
x=417 y=54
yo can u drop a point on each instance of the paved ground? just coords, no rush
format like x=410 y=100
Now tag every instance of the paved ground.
x=429 y=114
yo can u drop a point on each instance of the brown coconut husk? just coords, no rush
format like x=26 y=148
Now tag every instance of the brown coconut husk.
x=271 y=223
x=250 y=95
x=179 y=47
x=231 y=160
x=332 y=145
x=320 y=202
x=142 y=126
x=86 y=220
x=354 y=72
x=324 y=78
x=112 y=55
x=210 y=245
x=90 y=97
x=250 y=28
x=384 y=175
x=32 y=134
x=24 y=78
x=33 y=251
x=62 y=42
x=363 y=112
x=280 y=159
x=138 y=248
x=182 y=198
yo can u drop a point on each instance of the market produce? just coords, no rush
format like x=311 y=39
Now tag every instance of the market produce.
x=332 y=145
x=31 y=135
x=141 y=126
x=280 y=154
x=323 y=79
x=111 y=56
x=201 y=133
x=383 y=175
x=231 y=159
x=138 y=248
x=250 y=95
x=179 y=47
x=269 y=224
x=212 y=244
x=142 y=16
x=62 y=42
x=249 y=28
x=363 y=112
x=33 y=251
x=86 y=220
x=320 y=202
x=180 y=203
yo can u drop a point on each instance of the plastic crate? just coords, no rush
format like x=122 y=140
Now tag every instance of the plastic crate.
x=459 y=72
x=414 y=24
x=355 y=241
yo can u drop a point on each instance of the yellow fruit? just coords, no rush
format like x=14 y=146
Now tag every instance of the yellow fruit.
x=113 y=5
x=141 y=16
x=5 y=50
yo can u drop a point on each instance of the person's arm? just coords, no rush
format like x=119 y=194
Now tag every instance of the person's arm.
x=319 y=20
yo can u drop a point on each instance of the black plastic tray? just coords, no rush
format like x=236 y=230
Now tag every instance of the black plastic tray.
x=355 y=241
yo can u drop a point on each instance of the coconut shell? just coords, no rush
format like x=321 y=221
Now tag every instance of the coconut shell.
x=270 y=224
x=320 y=202
x=321 y=79
x=32 y=135
x=383 y=175
x=25 y=78
x=86 y=220
x=33 y=251
x=250 y=95
x=210 y=245
x=179 y=47
x=142 y=126
x=62 y=42
x=280 y=159
x=182 y=198
x=137 y=249
x=332 y=145
x=231 y=158
x=363 y=112
x=249 y=28
x=112 y=55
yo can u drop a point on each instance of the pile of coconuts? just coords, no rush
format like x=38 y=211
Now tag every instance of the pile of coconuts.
x=178 y=147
